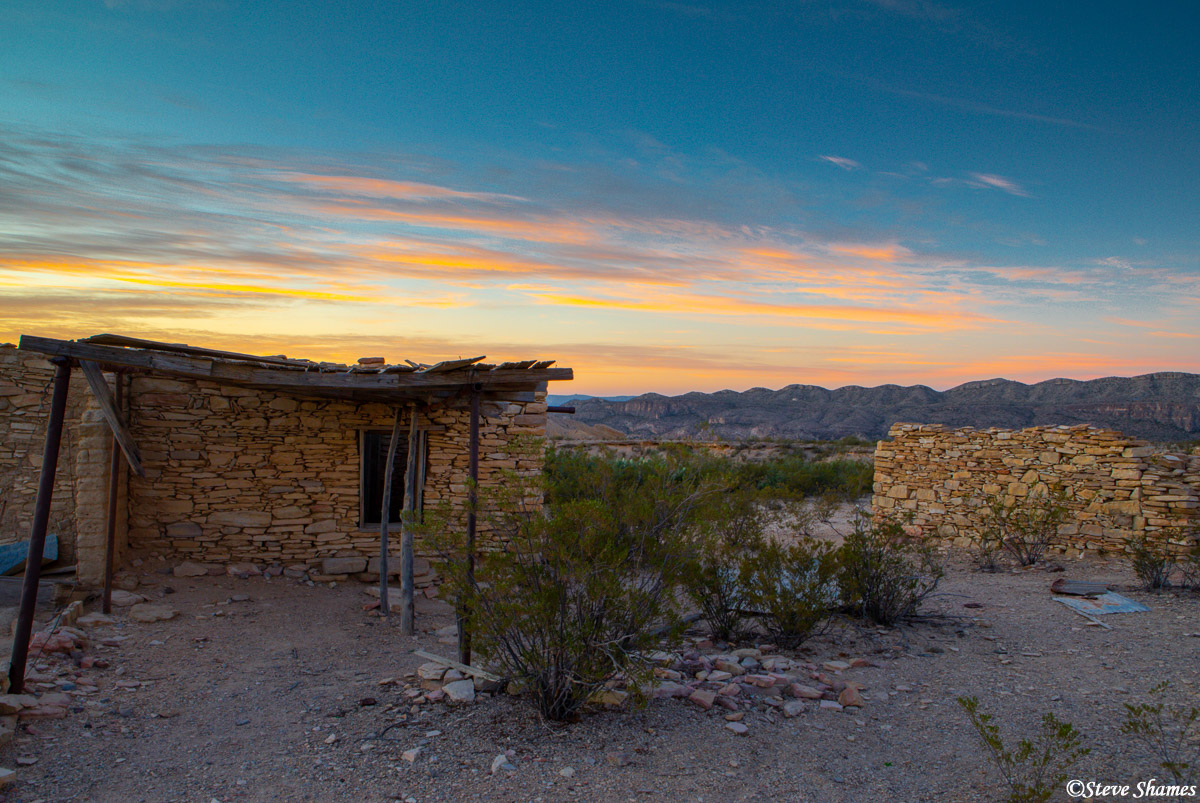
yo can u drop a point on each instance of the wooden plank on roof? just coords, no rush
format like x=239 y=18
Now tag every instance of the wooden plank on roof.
x=519 y=365
x=452 y=365
x=537 y=366
x=95 y=380
x=183 y=348
x=383 y=386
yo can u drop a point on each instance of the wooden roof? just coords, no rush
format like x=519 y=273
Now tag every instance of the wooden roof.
x=369 y=382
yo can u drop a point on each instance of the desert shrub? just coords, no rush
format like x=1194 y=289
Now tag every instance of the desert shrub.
x=1023 y=526
x=1037 y=767
x=884 y=573
x=1169 y=733
x=792 y=588
x=1152 y=562
x=1189 y=567
x=585 y=586
x=731 y=534
x=571 y=471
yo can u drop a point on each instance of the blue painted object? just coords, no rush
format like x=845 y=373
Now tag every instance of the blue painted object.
x=12 y=556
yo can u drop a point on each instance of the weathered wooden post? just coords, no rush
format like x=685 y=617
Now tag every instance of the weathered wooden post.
x=464 y=621
x=41 y=520
x=407 y=521
x=114 y=473
x=393 y=442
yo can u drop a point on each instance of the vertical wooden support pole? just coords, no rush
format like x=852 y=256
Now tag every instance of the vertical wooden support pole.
x=464 y=623
x=114 y=474
x=41 y=520
x=408 y=519
x=386 y=513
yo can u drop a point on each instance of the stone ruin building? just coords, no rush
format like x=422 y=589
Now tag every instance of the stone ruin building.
x=259 y=463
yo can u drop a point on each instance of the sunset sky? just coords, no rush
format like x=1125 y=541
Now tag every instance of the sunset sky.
x=666 y=196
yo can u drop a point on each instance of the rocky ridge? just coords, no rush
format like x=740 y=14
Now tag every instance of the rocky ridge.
x=1160 y=407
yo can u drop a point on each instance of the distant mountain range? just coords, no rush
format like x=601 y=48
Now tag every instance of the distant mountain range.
x=1161 y=407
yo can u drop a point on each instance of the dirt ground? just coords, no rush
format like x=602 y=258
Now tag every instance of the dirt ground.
x=263 y=700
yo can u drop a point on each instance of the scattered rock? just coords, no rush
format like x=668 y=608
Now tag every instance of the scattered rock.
x=94 y=620
x=737 y=727
x=702 y=698
x=610 y=697
x=729 y=665
x=501 y=762
x=151 y=612
x=124 y=599
x=850 y=698
x=618 y=759
x=343 y=565
x=792 y=708
x=460 y=691
x=412 y=755
x=831 y=705
x=188 y=569
x=567 y=772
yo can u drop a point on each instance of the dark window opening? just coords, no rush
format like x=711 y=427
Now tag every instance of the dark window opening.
x=374 y=464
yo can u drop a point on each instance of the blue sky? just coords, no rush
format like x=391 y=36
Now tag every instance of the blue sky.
x=665 y=195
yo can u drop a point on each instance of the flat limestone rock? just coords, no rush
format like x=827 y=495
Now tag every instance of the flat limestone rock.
x=152 y=612
x=189 y=569
x=460 y=691
x=96 y=619
x=124 y=599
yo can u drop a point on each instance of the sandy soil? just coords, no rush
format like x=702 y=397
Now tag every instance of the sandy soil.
x=262 y=700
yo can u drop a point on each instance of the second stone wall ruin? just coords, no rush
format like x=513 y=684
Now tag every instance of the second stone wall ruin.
x=1116 y=486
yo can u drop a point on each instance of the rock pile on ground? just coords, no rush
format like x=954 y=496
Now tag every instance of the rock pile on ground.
x=730 y=682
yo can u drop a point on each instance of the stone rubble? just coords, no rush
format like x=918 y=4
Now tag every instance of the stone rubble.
x=790 y=686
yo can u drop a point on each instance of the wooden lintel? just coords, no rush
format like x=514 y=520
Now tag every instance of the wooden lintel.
x=95 y=380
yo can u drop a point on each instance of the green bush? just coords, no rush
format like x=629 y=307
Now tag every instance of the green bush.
x=884 y=573
x=571 y=472
x=1169 y=733
x=792 y=588
x=1189 y=568
x=586 y=586
x=1152 y=562
x=731 y=534
x=1037 y=768
x=1023 y=526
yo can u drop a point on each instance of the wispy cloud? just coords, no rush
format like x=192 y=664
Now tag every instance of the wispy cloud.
x=999 y=183
x=842 y=162
x=966 y=104
x=339 y=252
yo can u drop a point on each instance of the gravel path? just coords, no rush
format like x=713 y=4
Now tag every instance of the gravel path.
x=262 y=700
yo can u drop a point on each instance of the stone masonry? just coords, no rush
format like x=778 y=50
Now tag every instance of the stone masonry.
x=1116 y=486
x=233 y=475
x=239 y=475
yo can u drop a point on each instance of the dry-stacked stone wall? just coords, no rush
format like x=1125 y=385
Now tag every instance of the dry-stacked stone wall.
x=1116 y=486
x=232 y=475
x=25 y=385
x=237 y=475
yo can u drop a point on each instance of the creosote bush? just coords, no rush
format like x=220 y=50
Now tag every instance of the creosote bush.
x=1169 y=733
x=1037 y=767
x=1152 y=561
x=729 y=535
x=885 y=574
x=1024 y=526
x=587 y=584
x=793 y=588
